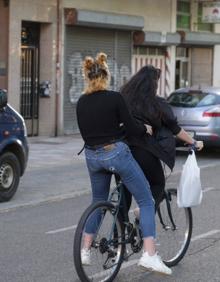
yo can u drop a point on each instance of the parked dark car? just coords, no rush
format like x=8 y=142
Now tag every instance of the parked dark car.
x=13 y=148
x=198 y=112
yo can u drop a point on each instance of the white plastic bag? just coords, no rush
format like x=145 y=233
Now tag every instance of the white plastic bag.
x=189 y=190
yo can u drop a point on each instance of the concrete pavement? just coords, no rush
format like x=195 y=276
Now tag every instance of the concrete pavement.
x=54 y=172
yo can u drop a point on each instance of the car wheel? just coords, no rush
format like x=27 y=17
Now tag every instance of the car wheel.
x=9 y=176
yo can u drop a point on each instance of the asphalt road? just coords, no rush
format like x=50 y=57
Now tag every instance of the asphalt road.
x=37 y=227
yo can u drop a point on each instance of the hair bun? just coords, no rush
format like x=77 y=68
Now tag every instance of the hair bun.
x=88 y=62
x=101 y=58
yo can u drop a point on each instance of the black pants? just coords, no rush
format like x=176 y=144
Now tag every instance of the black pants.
x=153 y=171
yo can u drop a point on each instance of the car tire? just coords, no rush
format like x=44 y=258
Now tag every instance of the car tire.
x=9 y=176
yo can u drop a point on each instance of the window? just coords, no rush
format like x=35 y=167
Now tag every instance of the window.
x=193 y=99
x=203 y=26
x=182 y=52
x=153 y=51
x=183 y=14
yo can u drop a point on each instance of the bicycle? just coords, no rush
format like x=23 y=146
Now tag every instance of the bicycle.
x=116 y=232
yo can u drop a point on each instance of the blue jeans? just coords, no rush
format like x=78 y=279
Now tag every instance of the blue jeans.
x=120 y=160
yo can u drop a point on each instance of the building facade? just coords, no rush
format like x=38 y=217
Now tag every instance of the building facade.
x=4 y=18
x=46 y=42
x=30 y=36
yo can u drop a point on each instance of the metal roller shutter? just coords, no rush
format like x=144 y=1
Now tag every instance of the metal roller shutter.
x=81 y=42
x=201 y=66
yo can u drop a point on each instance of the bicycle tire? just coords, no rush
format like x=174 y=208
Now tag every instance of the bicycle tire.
x=172 y=244
x=91 y=273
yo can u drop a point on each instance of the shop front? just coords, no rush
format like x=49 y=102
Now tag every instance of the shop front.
x=157 y=49
x=87 y=39
x=194 y=59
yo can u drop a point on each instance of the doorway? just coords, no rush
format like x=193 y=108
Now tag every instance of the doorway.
x=182 y=76
x=29 y=86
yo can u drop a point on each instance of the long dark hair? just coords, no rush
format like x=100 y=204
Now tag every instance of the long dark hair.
x=140 y=94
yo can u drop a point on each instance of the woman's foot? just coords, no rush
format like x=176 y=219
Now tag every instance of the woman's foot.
x=154 y=263
x=137 y=213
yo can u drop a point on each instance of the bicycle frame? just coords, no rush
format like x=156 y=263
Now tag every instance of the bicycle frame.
x=167 y=199
x=121 y=207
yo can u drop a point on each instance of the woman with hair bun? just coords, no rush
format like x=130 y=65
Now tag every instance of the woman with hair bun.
x=100 y=114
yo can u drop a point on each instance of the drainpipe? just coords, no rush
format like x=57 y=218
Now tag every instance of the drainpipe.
x=57 y=89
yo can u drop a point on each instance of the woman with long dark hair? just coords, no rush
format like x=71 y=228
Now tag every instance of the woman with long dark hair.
x=145 y=106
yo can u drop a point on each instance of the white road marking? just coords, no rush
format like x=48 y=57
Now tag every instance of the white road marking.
x=72 y=227
x=207 y=189
x=179 y=170
x=124 y=266
x=129 y=263
x=204 y=235
x=135 y=261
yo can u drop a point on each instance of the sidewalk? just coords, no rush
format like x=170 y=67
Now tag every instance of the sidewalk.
x=54 y=172
x=53 y=151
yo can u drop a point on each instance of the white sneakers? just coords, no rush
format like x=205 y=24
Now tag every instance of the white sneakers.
x=154 y=263
x=86 y=257
x=151 y=263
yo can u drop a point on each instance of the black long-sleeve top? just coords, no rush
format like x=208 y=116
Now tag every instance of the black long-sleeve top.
x=100 y=116
x=166 y=119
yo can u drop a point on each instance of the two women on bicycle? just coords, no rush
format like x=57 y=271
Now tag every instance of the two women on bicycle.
x=100 y=115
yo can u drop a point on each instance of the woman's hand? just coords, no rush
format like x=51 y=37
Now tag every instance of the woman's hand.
x=184 y=136
x=149 y=129
x=199 y=145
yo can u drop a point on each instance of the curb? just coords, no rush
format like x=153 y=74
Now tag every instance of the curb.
x=49 y=199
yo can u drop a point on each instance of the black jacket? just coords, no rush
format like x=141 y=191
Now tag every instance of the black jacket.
x=162 y=143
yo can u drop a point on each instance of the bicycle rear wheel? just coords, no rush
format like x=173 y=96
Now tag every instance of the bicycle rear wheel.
x=107 y=249
x=173 y=239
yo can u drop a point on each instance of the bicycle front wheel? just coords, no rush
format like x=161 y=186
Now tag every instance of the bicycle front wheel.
x=174 y=229
x=107 y=249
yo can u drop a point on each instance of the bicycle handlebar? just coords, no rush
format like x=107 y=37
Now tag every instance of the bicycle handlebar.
x=188 y=148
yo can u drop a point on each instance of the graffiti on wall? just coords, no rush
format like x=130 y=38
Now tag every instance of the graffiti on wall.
x=119 y=75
